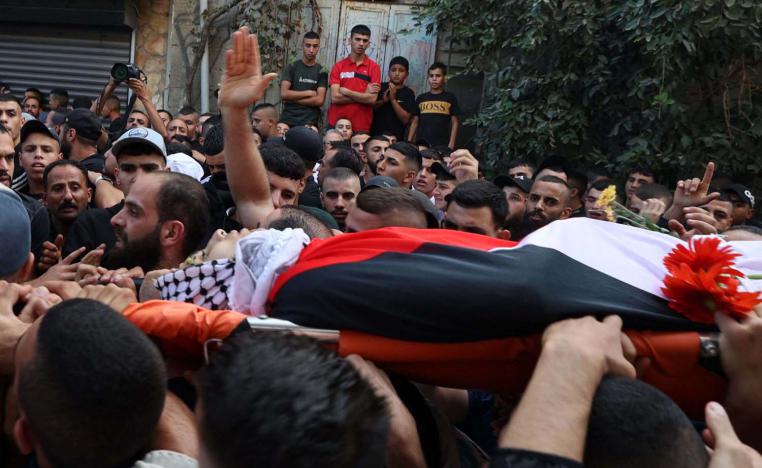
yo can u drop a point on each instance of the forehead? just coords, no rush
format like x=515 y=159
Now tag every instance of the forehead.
x=137 y=115
x=312 y=42
x=177 y=123
x=360 y=36
x=512 y=189
x=465 y=216
x=9 y=105
x=65 y=173
x=215 y=159
x=282 y=183
x=361 y=139
x=547 y=189
x=379 y=143
x=398 y=67
x=719 y=205
x=393 y=153
x=427 y=162
x=343 y=122
x=639 y=175
x=334 y=185
x=144 y=190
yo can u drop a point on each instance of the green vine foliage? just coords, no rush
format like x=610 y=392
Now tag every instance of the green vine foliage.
x=666 y=83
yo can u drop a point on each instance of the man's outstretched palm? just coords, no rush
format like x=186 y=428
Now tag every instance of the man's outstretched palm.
x=243 y=83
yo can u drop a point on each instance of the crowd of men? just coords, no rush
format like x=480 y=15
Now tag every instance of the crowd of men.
x=95 y=204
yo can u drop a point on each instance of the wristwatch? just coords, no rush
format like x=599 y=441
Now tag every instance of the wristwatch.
x=102 y=177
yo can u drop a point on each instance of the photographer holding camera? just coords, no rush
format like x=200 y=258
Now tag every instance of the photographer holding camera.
x=137 y=82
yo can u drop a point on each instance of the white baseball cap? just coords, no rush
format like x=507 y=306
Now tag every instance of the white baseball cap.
x=141 y=135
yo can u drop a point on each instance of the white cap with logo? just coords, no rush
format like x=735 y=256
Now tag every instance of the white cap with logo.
x=140 y=135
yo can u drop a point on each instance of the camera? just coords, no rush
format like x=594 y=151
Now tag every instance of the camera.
x=125 y=71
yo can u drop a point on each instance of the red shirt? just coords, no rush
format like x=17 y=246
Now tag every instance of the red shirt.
x=355 y=77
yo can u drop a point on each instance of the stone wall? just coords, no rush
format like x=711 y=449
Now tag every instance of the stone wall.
x=151 y=44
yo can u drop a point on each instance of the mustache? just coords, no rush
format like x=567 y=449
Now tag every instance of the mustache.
x=67 y=204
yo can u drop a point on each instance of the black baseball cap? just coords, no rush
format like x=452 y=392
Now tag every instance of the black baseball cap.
x=35 y=126
x=380 y=182
x=743 y=193
x=85 y=122
x=305 y=142
x=507 y=181
x=431 y=212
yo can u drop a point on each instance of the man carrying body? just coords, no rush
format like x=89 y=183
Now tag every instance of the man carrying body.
x=401 y=162
x=355 y=82
x=548 y=201
x=303 y=85
x=479 y=207
x=339 y=193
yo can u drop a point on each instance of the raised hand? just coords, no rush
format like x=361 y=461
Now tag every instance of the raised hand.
x=463 y=165
x=242 y=82
x=51 y=253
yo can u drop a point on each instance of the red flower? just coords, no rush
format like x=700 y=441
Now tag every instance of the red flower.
x=703 y=254
x=698 y=295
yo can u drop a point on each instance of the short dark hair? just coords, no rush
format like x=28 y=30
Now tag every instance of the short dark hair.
x=479 y=194
x=35 y=91
x=602 y=184
x=342 y=173
x=82 y=102
x=399 y=61
x=440 y=66
x=294 y=217
x=287 y=392
x=553 y=179
x=171 y=117
x=348 y=158
x=633 y=424
x=521 y=162
x=577 y=180
x=61 y=95
x=214 y=141
x=184 y=199
x=374 y=137
x=63 y=162
x=647 y=191
x=411 y=153
x=360 y=133
x=642 y=169
x=39 y=101
x=95 y=389
x=10 y=98
x=385 y=200
x=360 y=29
x=265 y=105
x=282 y=161
x=175 y=146
x=311 y=35
x=187 y=110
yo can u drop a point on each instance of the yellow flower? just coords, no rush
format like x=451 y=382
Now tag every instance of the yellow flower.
x=610 y=214
x=607 y=197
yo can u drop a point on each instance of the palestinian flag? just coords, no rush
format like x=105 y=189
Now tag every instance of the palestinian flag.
x=447 y=286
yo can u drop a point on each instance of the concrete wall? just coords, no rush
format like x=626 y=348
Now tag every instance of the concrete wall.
x=151 y=43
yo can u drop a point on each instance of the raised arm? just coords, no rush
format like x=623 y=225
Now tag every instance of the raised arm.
x=141 y=91
x=97 y=105
x=243 y=84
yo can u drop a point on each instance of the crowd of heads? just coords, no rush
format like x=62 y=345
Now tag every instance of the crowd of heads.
x=92 y=195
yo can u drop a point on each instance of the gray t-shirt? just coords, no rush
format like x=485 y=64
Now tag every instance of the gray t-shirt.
x=303 y=78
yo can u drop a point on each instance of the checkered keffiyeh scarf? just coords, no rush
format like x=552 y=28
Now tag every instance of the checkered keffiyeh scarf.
x=240 y=284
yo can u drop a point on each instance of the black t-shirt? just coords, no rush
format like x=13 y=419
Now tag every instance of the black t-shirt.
x=91 y=229
x=385 y=120
x=310 y=196
x=302 y=78
x=434 y=112
x=96 y=162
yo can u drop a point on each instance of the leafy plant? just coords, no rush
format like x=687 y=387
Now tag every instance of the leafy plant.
x=663 y=83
